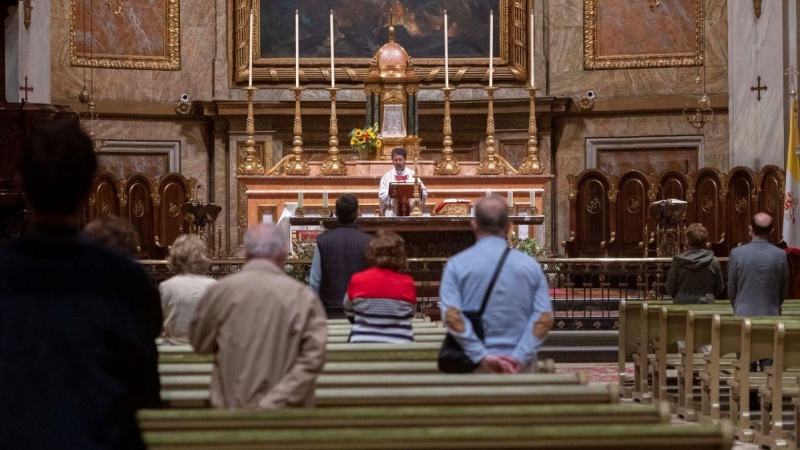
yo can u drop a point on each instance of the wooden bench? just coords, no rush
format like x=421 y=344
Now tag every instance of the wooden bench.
x=401 y=417
x=197 y=382
x=629 y=328
x=430 y=396
x=572 y=437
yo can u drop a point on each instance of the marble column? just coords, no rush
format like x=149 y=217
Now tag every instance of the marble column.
x=27 y=52
x=760 y=47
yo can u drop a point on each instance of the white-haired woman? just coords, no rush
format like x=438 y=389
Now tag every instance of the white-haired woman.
x=181 y=293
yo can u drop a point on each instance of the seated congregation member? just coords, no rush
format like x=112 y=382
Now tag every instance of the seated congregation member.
x=518 y=312
x=181 y=293
x=381 y=301
x=339 y=254
x=695 y=275
x=115 y=234
x=77 y=355
x=268 y=331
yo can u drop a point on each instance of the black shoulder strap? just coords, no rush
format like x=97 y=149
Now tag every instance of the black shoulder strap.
x=494 y=278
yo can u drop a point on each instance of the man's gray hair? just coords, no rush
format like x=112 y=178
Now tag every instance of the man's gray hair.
x=491 y=215
x=265 y=240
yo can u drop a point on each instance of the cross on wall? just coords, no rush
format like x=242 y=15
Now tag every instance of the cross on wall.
x=26 y=89
x=759 y=88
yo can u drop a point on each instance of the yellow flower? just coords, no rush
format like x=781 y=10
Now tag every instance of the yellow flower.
x=378 y=143
x=359 y=133
x=352 y=141
x=371 y=134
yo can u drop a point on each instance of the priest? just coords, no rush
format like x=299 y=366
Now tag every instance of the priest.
x=399 y=174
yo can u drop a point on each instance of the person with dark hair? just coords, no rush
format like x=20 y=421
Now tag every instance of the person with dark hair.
x=758 y=273
x=339 y=254
x=114 y=233
x=518 y=312
x=77 y=349
x=695 y=275
x=380 y=301
x=399 y=174
x=266 y=330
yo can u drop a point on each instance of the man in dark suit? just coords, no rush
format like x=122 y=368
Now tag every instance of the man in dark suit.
x=339 y=254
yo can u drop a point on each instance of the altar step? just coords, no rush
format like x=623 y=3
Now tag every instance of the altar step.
x=590 y=346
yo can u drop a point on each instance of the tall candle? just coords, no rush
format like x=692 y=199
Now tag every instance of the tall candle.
x=533 y=198
x=446 y=64
x=324 y=199
x=250 y=52
x=333 y=78
x=510 y=198
x=532 y=40
x=300 y=199
x=491 y=45
x=488 y=193
x=296 y=48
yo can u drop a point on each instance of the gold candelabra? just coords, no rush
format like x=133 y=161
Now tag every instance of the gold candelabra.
x=530 y=164
x=490 y=165
x=297 y=165
x=333 y=165
x=447 y=165
x=416 y=212
x=252 y=163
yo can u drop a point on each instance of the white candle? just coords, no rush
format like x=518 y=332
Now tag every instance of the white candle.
x=250 y=52
x=532 y=40
x=533 y=198
x=510 y=198
x=491 y=45
x=300 y=199
x=296 y=48
x=446 y=64
x=333 y=78
x=324 y=199
x=488 y=193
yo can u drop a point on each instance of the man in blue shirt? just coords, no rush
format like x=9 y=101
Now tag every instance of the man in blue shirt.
x=518 y=314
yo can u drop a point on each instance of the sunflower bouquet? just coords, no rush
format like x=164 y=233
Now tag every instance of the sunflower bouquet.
x=366 y=141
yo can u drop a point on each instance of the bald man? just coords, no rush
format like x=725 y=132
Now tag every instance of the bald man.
x=758 y=273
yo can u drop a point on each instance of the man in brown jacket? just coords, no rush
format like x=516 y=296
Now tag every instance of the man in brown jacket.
x=267 y=330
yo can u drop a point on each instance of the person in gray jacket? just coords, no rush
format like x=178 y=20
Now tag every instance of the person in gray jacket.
x=695 y=275
x=758 y=273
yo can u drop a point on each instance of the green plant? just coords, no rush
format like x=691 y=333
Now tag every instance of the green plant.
x=527 y=245
x=366 y=140
x=303 y=248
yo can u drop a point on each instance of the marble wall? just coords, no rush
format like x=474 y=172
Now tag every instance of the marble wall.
x=137 y=29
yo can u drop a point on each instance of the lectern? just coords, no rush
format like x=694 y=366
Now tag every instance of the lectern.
x=403 y=195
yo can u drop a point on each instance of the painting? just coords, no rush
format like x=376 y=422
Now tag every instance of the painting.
x=361 y=28
x=125 y=35
x=618 y=34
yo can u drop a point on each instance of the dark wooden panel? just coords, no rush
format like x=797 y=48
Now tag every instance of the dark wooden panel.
x=706 y=207
x=739 y=208
x=771 y=197
x=672 y=184
x=139 y=211
x=593 y=215
x=173 y=192
x=631 y=214
x=104 y=200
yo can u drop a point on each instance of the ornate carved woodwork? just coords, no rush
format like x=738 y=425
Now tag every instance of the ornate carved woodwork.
x=152 y=205
x=723 y=203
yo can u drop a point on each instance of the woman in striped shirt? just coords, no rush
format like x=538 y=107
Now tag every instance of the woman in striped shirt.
x=381 y=301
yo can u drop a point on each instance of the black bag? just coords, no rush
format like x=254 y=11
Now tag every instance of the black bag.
x=451 y=356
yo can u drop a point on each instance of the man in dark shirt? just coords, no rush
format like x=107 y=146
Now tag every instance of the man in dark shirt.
x=339 y=254
x=77 y=322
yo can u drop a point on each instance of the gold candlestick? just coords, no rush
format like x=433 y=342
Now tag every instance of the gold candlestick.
x=416 y=212
x=447 y=165
x=252 y=163
x=530 y=165
x=490 y=165
x=333 y=165
x=297 y=165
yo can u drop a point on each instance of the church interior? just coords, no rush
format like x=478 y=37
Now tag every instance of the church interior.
x=608 y=126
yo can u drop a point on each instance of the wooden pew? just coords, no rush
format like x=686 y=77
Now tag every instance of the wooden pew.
x=430 y=396
x=568 y=437
x=401 y=417
x=786 y=356
x=629 y=329
x=698 y=336
x=196 y=382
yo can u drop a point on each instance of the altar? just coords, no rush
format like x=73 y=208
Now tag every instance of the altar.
x=426 y=237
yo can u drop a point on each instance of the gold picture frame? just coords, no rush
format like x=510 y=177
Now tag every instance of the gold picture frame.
x=510 y=66
x=593 y=60
x=170 y=60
